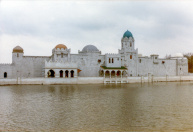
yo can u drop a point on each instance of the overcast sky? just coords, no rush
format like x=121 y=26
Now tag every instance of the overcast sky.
x=38 y=26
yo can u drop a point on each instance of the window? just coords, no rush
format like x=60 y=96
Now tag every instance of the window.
x=130 y=56
x=117 y=58
x=109 y=60
x=5 y=74
x=139 y=60
x=61 y=55
x=163 y=62
x=131 y=75
x=180 y=68
x=112 y=60
x=155 y=57
x=17 y=54
x=99 y=61
x=130 y=44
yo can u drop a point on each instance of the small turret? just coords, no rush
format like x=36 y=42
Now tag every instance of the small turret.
x=17 y=54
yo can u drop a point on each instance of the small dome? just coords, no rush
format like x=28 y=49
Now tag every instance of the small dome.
x=178 y=55
x=89 y=48
x=61 y=46
x=17 y=49
x=127 y=34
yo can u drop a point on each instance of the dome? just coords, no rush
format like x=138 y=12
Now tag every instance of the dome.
x=17 y=49
x=178 y=55
x=61 y=46
x=127 y=34
x=89 y=48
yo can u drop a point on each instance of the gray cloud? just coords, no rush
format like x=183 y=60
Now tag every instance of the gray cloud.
x=156 y=26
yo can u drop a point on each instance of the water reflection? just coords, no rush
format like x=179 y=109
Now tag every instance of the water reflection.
x=157 y=106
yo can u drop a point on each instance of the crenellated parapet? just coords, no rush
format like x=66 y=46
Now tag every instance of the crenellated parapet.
x=5 y=64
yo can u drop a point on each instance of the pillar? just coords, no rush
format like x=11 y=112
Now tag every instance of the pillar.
x=110 y=73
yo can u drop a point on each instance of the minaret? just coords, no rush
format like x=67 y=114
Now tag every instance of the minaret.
x=129 y=55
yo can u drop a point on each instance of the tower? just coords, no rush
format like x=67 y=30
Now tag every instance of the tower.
x=129 y=55
x=17 y=54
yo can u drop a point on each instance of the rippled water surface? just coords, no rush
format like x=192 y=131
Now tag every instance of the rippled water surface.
x=158 y=106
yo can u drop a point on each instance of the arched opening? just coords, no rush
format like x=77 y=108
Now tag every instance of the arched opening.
x=72 y=73
x=5 y=74
x=51 y=73
x=112 y=60
x=109 y=60
x=61 y=73
x=113 y=74
x=118 y=73
x=66 y=73
x=124 y=74
x=101 y=73
x=107 y=74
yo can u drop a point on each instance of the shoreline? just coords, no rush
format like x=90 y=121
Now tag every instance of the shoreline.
x=92 y=80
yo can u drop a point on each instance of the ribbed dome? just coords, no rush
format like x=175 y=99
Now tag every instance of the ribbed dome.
x=127 y=34
x=17 y=49
x=60 y=46
x=89 y=48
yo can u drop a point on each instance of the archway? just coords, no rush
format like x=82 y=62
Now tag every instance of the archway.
x=113 y=74
x=66 y=73
x=107 y=74
x=61 y=73
x=101 y=73
x=5 y=74
x=118 y=73
x=72 y=73
x=124 y=74
x=51 y=73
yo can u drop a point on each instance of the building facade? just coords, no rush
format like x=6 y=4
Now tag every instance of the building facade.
x=89 y=62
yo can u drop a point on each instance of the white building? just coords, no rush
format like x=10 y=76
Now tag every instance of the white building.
x=89 y=62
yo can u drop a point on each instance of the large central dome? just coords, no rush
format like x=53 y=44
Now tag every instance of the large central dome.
x=89 y=48
x=127 y=34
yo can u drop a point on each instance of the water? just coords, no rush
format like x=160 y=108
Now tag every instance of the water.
x=158 y=106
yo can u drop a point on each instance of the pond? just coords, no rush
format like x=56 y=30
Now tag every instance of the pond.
x=148 y=106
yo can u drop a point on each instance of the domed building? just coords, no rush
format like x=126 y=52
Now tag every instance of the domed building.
x=89 y=62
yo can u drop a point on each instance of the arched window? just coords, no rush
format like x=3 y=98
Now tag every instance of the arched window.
x=5 y=74
x=112 y=60
x=72 y=73
x=51 y=73
x=61 y=73
x=130 y=44
x=109 y=60
x=130 y=56
x=66 y=73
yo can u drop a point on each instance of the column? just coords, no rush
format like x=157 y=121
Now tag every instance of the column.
x=115 y=73
x=110 y=73
x=104 y=71
x=69 y=74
